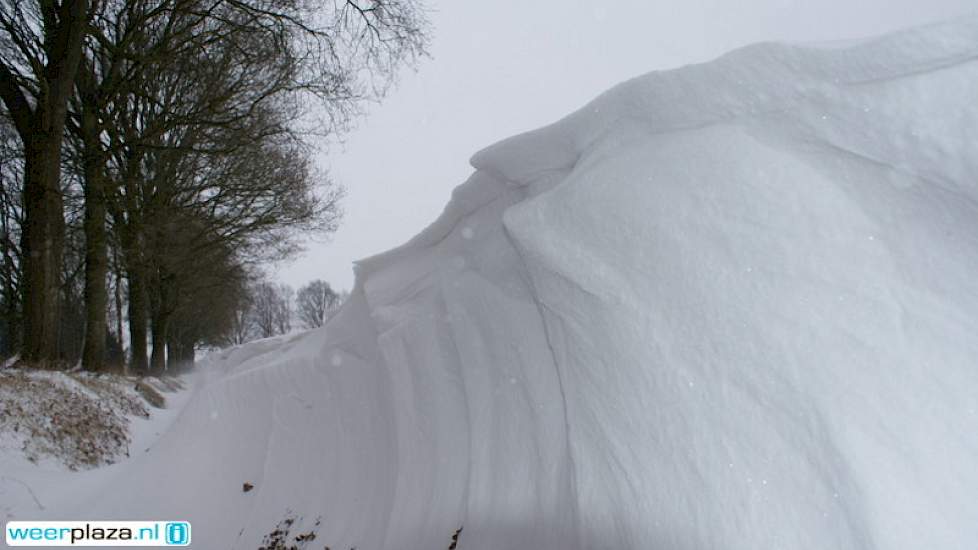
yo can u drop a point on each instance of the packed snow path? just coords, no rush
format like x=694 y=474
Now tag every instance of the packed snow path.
x=732 y=306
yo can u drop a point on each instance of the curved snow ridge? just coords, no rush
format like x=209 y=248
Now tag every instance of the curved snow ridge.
x=716 y=294
x=730 y=306
x=752 y=80
x=747 y=286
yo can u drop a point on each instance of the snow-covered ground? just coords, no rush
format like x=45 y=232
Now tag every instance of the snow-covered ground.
x=65 y=435
x=731 y=306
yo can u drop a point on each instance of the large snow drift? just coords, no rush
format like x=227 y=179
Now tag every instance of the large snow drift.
x=730 y=306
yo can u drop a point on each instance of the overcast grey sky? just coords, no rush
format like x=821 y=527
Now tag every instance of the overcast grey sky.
x=500 y=67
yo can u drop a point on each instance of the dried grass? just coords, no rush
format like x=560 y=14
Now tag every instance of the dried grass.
x=78 y=419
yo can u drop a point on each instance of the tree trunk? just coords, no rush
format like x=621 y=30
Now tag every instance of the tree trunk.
x=42 y=131
x=159 y=317
x=179 y=354
x=42 y=242
x=117 y=289
x=172 y=353
x=158 y=359
x=96 y=253
x=137 y=319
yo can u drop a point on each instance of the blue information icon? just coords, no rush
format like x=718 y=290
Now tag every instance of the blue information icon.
x=177 y=533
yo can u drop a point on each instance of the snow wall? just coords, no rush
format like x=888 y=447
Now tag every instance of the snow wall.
x=730 y=306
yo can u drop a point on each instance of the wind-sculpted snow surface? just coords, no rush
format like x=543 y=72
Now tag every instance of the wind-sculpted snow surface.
x=732 y=306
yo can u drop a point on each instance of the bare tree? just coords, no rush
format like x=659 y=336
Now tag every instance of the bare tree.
x=210 y=307
x=316 y=302
x=40 y=49
x=283 y=311
x=190 y=125
x=271 y=309
x=11 y=219
x=241 y=326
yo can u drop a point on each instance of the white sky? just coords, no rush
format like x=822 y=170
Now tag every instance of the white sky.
x=500 y=67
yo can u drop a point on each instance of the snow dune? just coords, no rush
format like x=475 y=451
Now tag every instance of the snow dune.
x=731 y=306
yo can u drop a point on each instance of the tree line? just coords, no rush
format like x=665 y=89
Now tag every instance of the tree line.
x=269 y=309
x=155 y=153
